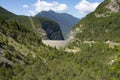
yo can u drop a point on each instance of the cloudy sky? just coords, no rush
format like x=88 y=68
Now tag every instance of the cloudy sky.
x=77 y=8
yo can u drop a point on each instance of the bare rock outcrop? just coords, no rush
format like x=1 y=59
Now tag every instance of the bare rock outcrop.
x=114 y=5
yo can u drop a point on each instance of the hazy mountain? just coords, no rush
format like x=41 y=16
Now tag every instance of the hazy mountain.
x=65 y=20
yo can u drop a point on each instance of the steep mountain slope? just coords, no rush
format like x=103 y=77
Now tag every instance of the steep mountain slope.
x=102 y=24
x=99 y=60
x=65 y=20
x=5 y=14
x=37 y=24
x=24 y=57
x=45 y=28
x=22 y=54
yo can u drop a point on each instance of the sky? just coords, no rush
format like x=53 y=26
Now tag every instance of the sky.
x=77 y=8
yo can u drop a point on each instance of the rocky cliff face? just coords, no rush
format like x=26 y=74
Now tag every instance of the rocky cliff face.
x=65 y=20
x=114 y=6
x=53 y=31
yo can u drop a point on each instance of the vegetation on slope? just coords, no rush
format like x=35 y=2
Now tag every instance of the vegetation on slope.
x=19 y=32
x=38 y=62
x=5 y=14
x=100 y=25
x=24 y=57
x=98 y=61
x=99 y=29
x=93 y=62
x=34 y=23
x=42 y=26
x=101 y=8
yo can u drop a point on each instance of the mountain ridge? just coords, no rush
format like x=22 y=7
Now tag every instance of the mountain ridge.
x=8 y=13
x=38 y=24
x=100 y=25
x=66 y=21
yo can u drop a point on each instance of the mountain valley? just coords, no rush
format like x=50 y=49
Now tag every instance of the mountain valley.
x=66 y=21
x=34 y=48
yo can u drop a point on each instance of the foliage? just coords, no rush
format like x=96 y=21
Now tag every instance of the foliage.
x=5 y=14
x=101 y=8
x=19 y=32
x=99 y=29
x=40 y=25
x=115 y=67
x=100 y=25
x=24 y=57
x=91 y=63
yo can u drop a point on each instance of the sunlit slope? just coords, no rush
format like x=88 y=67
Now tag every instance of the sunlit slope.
x=102 y=24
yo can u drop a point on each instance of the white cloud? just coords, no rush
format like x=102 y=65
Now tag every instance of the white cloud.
x=86 y=7
x=25 y=6
x=41 y=5
x=32 y=13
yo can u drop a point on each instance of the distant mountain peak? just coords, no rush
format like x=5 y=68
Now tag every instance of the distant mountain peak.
x=65 y=20
x=50 y=11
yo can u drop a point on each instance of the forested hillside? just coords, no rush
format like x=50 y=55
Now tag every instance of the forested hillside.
x=97 y=37
x=6 y=14
x=38 y=24
x=26 y=58
x=23 y=56
x=102 y=24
